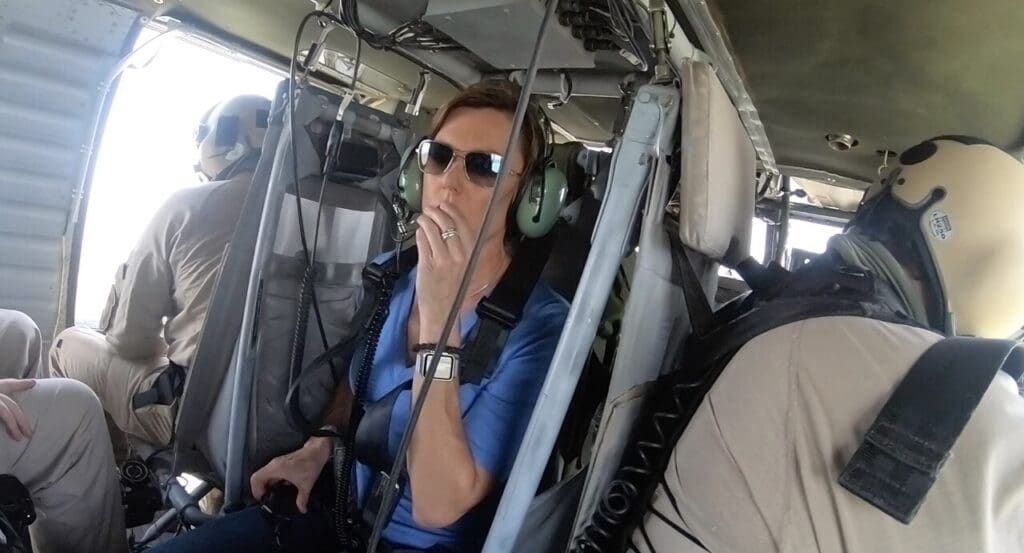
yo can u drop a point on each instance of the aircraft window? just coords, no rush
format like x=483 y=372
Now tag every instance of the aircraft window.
x=808 y=236
x=147 y=150
x=758 y=243
x=805 y=238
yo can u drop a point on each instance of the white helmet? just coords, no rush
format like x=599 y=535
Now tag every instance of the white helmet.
x=230 y=136
x=956 y=206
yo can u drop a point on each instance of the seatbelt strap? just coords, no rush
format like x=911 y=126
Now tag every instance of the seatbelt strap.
x=907 y=445
x=501 y=310
x=371 y=443
x=166 y=389
x=698 y=308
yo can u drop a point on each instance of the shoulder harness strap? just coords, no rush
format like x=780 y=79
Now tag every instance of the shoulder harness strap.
x=501 y=310
x=907 y=445
x=499 y=313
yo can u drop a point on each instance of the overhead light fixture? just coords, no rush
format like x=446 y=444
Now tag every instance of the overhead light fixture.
x=841 y=142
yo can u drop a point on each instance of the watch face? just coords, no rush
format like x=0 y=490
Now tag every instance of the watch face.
x=445 y=366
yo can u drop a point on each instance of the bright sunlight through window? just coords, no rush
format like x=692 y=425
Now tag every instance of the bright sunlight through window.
x=147 y=151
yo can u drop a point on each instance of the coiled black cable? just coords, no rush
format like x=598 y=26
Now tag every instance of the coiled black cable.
x=301 y=323
x=622 y=506
x=343 y=467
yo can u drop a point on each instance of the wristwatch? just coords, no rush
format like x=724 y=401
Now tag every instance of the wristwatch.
x=447 y=366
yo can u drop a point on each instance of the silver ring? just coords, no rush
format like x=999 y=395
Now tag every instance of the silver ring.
x=448 y=234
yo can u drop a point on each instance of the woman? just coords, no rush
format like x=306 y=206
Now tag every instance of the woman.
x=467 y=436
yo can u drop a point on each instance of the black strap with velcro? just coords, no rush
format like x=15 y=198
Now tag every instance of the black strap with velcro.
x=166 y=389
x=907 y=445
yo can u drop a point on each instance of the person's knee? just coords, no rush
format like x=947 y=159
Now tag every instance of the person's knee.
x=55 y=354
x=64 y=413
x=74 y=349
x=20 y=339
x=76 y=398
x=20 y=325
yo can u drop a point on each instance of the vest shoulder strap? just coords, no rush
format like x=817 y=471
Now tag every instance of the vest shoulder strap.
x=911 y=439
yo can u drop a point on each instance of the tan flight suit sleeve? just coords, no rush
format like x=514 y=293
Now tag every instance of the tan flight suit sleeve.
x=142 y=292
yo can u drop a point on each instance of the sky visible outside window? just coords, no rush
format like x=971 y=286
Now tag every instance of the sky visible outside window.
x=804 y=235
x=147 y=151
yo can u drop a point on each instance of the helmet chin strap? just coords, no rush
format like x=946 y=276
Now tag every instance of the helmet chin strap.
x=237 y=157
x=246 y=162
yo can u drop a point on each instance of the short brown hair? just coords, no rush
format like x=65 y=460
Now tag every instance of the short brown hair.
x=503 y=96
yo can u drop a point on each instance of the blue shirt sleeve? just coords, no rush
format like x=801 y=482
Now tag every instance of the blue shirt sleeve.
x=496 y=421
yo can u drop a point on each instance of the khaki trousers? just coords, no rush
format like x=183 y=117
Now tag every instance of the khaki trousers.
x=68 y=468
x=85 y=355
x=21 y=346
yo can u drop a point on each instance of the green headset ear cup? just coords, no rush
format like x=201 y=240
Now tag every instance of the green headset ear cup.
x=410 y=180
x=541 y=203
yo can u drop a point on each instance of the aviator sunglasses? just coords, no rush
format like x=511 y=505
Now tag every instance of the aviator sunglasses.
x=436 y=158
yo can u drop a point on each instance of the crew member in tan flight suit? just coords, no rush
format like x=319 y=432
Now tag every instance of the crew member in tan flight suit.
x=757 y=468
x=152 y=322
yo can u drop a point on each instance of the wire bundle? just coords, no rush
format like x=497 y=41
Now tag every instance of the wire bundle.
x=604 y=25
x=415 y=34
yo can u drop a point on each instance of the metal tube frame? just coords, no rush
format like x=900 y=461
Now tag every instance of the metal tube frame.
x=653 y=314
x=246 y=351
x=629 y=178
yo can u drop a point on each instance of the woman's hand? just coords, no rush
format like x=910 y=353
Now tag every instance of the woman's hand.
x=442 y=263
x=299 y=468
x=11 y=415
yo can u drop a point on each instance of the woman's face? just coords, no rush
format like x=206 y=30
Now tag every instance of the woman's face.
x=475 y=130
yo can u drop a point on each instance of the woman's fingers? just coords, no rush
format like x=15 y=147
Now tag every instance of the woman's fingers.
x=466 y=238
x=442 y=219
x=430 y=230
x=422 y=244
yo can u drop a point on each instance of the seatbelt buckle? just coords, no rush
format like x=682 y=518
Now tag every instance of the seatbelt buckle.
x=488 y=309
x=374 y=504
x=375 y=273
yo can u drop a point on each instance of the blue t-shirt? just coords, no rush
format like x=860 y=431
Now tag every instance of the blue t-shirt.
x=494 y=413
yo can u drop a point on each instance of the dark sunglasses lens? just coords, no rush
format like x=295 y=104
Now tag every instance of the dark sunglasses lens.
x=434 y=157
x=483 y=168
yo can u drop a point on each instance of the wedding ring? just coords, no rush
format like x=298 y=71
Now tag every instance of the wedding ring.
x=448 y=234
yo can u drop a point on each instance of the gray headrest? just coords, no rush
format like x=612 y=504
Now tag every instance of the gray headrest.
x=718 y=167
